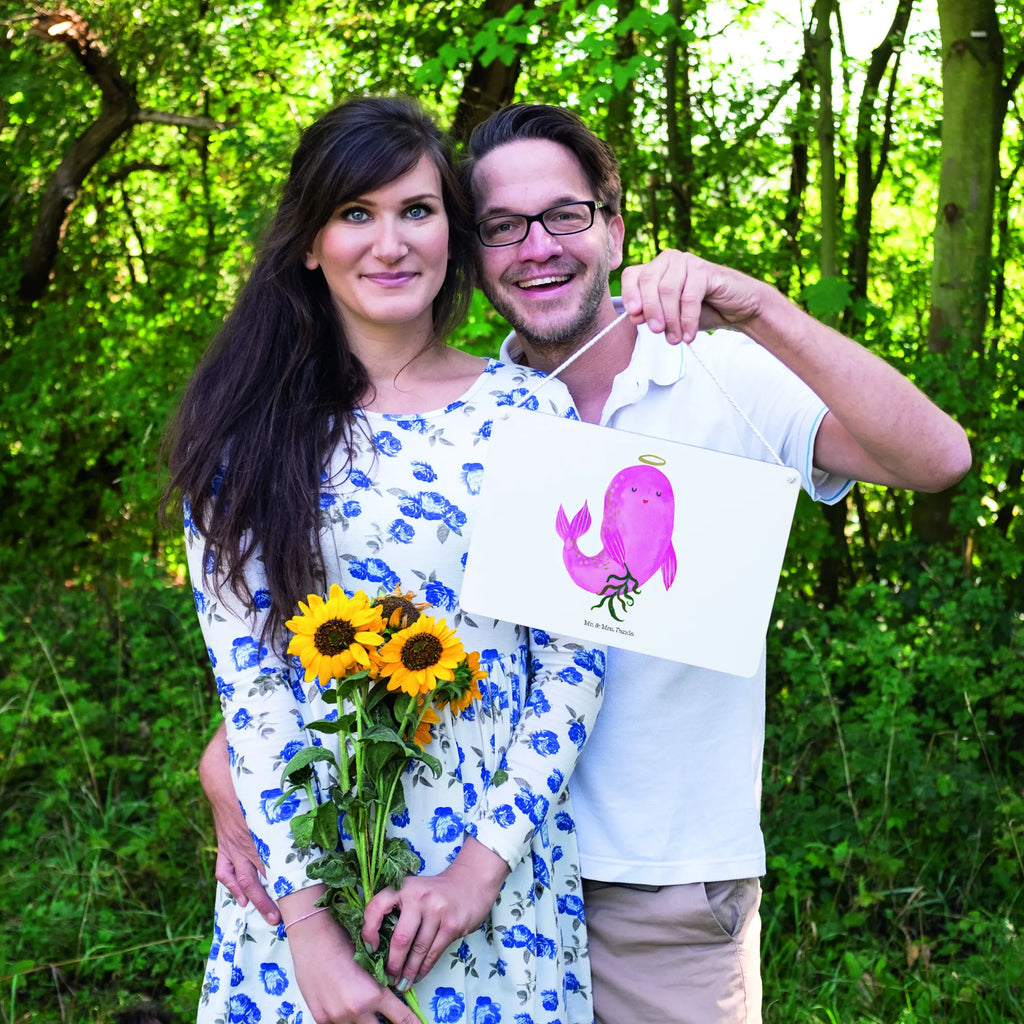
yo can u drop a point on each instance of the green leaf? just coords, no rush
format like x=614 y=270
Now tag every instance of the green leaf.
x=302 y=826
x=397 y=801
x=382 y=733
x=351 y=919
x=372 y=963
x=328 y=726
x=298 y=770
x=381 y=700
x=325 y=827
x=828 y=297
x=338 y=869
x=430 y=761
x=345 y=802
x=385 y=761
x=483 y=39
x=451 y=55
x=398 y=861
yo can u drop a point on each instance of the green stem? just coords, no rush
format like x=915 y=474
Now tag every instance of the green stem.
x=410 y=717
x=414 y=1004
x=359 y=833
x=343 y=763
x=382 y=821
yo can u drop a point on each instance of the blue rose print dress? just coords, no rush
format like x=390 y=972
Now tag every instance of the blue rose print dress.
x=402 y=516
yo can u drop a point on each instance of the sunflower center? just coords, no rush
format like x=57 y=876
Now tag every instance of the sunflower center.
x=421 y=651
x=334 y=636
x=391 y=603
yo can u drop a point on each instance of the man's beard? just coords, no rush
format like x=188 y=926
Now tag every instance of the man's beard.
x=570 y=335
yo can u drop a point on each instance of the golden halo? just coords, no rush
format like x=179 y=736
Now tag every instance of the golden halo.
x=652 y=460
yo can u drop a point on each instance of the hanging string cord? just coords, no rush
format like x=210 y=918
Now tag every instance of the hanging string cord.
x=572 y=359
x=732 y=401
x=691 y=350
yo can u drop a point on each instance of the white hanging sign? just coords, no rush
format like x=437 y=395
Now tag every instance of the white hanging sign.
x=630 y=541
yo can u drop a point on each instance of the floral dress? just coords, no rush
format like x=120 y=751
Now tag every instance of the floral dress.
x=401 y=516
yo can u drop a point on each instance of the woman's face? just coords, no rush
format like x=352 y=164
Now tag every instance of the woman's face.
x=384 y=254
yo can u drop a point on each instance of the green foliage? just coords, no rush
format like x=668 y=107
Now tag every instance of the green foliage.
x=827 y=297
x=894 y=827
x=107 y=869
x=893 y=807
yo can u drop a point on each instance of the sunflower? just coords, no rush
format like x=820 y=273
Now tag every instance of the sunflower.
x=417 y=657
x=423 y=732
x=399 y=610
x=332 y=636
x=472 y=692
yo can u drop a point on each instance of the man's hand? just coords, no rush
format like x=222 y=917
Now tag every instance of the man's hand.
x=435 y=910
x=680 y=293
x=238 y=865
x=879 y=428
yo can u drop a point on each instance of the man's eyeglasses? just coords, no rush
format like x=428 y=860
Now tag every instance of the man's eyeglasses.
x=563 y=219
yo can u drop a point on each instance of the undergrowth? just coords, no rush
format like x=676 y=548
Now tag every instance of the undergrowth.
x=893 y=807
x=105 y=856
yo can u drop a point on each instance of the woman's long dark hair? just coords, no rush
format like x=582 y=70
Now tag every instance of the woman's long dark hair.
x=275 y=394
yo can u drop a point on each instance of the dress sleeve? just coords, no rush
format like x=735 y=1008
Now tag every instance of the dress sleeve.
x=564 y=693
x=264 y=706
x=563 y=698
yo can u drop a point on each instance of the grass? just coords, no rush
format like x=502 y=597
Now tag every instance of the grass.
x=893 y=821
x=106 y=846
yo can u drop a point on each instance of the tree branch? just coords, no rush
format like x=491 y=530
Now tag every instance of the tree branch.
x=67 y=27
x=1014 y=79
x=127 y=170
x=486 y=88
x=206 y=124
x=119 y=113
x=885 y=58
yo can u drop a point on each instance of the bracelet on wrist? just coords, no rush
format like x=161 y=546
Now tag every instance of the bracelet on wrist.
x=304 y=917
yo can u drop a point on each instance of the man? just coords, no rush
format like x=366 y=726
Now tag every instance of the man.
x=671 y=847
x=667 y=791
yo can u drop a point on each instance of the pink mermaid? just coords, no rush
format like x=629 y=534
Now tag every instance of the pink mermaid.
x=639 y=513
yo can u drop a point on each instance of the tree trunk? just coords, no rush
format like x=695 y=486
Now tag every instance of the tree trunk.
x=486 y=89
x=819 y=55
x=119 y=113
x=118 y=109
x=679 y=143
x=869 y=171
x=819 y=52
x=973 y=107
x=619 y=126
x=796 y=199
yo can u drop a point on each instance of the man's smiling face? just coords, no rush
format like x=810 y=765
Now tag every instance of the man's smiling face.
x=552 y=289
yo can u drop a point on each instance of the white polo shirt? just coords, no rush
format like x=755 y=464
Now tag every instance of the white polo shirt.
x=668 y=788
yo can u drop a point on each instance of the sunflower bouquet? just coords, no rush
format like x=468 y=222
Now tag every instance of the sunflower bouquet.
x=390 y=669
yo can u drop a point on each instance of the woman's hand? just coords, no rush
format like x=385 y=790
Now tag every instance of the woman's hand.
x=336 y=989
x=238 y=865
x=435 y=910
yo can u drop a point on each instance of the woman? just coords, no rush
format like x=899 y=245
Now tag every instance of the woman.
x=330 y=436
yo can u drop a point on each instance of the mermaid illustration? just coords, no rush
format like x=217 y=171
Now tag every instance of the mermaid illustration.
x=636 y=531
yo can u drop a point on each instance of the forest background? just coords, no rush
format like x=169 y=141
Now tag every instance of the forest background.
x=866 y=157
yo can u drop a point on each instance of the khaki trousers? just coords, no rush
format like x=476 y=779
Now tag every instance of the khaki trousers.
x=675 y=954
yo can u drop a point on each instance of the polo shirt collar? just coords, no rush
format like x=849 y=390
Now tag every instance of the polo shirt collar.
x=654 y=361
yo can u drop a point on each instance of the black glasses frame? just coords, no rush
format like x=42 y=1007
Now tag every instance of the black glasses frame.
x=529 y=218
